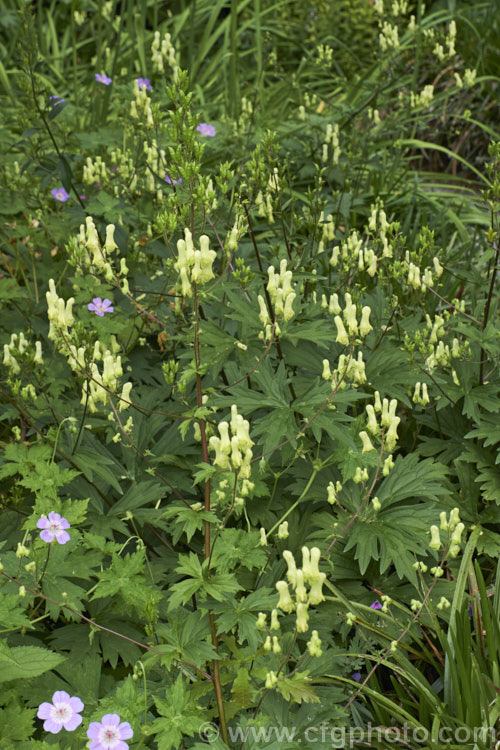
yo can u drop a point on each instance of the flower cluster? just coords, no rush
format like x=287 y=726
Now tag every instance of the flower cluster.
x=161 y=50
x=331 y=136
x=235 y=452
x=140 y=106
x=194 y=266
x=95 y=171
x=204 y=128
x=453 y=526
x=64 y=713
x=327 y=228
x=298 y=578
x=60 y=314
x=18 y=349
x=388 y=424
x=282 y=297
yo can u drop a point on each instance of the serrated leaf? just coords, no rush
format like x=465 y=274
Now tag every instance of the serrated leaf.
x=23 y=662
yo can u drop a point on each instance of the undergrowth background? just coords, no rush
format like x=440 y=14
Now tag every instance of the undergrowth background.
x=249 y=261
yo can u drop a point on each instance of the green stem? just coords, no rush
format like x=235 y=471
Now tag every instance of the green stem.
x=292 y=507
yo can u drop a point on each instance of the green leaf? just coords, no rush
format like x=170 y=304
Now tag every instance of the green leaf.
x=23 y=662
x=297 y=688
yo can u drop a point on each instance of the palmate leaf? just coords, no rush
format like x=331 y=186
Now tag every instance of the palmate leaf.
x=243 y=613
x=215 y=585
x=187 y=638
x=297 y=688
x=394 y=537
x=235 y=547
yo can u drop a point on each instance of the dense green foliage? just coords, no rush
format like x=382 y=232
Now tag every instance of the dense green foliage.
x=236 y=348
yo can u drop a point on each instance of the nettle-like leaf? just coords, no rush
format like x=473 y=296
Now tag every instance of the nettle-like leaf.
x=23 y=662
x=16 y=724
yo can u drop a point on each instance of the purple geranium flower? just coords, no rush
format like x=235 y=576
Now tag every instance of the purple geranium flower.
x=205 y=129
x=101 y=306
x=103 y=78
x=144 y=83
x=172 y=182
x=376 y=605
x=60 y=194
x=356 y=676
x=109 y=733
x=53 y=528
x=61 y=713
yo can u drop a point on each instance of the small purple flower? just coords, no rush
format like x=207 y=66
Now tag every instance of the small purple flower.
x=376 y=605
x=83 y=197
x=61 y=713
x=53 y=528
x=356 y=676
x=103 y=78
x=60 y=194
x=56 y=99
x=205 y=129
x=172 y=182
x=101 y=306
x=109 y=733
x=144 y=83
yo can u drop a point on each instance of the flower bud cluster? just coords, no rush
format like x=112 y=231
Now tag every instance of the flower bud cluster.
x=282 y=296
x=140 y=106
x=155 y=160
x=60 y=314
x=333 y=492
x=94 y=170
x=377 y=224
x=298 y=578
x=419 y=280
x=388 y=423
x=388 y=37
x=332 y=136
x=454 y=527
x=327 y=230
x=233 y=452
x=161 y=50
x=349 y=369
x=193 y=266
x=424 y=98
x=88 y=254
x=469 y=78
x=19 y=349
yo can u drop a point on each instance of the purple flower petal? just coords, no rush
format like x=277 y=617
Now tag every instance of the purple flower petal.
x=172 y=182
x=356 y=676
x=144 y=83
x=63 y=712
x=206 y=129
x=60 y=194
x=376 y=605
x=54 y=527
x=103 y=78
